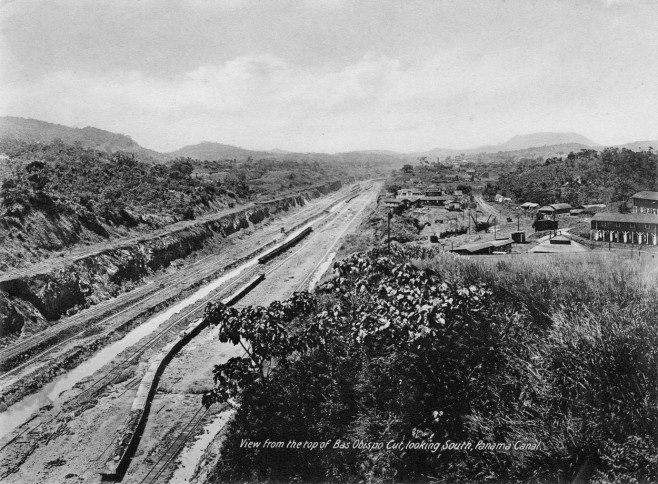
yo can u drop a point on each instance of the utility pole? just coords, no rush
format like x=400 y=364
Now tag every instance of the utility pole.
x=518 y=222
x=390 y=216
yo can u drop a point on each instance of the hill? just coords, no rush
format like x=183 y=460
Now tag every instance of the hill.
x=641 y=145
x=34 y=130
x=533 y=140
x=543 y=144
x=209 y=151
x=609 y=176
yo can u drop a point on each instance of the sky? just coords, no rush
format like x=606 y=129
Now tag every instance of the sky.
x=334 y=75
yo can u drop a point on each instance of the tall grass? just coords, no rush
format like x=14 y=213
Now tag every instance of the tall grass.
x=564 y=354
x=588 y=383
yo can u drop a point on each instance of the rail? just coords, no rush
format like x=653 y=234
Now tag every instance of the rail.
x=131 y=432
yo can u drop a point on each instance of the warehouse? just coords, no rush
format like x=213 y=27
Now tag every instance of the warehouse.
x=488 y=247
x=632 y=228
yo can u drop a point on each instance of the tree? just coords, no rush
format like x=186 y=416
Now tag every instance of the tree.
x=407 y=169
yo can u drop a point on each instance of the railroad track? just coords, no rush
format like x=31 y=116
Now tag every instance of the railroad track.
x=156 y=472
x=44 y=431
x=127 y=444
x=32 y=436
x=60 y=334
x=178 y=443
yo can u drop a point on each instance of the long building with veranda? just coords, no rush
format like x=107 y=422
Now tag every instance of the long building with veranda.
x=626 y=228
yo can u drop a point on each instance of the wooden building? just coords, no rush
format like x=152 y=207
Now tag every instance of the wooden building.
x=645 y=202
x=411 y=192
x=436 y=201
x=551 y=212
x=631 y=228
x=529 y=206
x=392 y=202
x=433 y=191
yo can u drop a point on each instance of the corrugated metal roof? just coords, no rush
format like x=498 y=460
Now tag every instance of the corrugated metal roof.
x=640 y=218
x=560 y=206
x=475 y=246
x=442 y=198
x=555 y=206
x=646 y=195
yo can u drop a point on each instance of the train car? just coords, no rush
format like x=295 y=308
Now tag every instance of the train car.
x=285 y=246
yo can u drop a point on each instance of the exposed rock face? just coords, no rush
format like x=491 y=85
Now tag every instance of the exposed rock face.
x=17 y=316
x=28 y=304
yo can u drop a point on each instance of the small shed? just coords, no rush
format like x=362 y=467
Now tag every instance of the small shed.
x=518 y=237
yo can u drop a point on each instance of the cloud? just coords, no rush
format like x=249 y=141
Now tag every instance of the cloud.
x=266 y=95
x=263 y=101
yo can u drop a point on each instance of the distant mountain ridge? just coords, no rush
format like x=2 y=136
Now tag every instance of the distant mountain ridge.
x=527 y=145
x=518 y=143
x=641 y=145
x=533 y=140
x=44 y=132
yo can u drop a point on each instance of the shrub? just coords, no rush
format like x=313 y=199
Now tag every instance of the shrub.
x=448 y=349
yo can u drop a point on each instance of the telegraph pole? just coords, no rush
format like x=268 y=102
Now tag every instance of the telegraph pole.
x=390 y=216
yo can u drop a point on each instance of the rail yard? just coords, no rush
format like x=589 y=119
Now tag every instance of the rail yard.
x=79 y=428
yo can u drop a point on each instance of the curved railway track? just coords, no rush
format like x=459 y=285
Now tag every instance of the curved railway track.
x=31 y=436
x=168 y=457
x=22 y=354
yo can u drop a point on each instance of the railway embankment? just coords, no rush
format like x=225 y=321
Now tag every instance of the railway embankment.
x=31 y=302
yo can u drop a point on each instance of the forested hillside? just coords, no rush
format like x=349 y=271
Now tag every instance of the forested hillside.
x=587 y=176
x=55 y=195
x=89 y=137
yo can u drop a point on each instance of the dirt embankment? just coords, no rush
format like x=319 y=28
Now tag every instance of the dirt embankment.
x=29 y=304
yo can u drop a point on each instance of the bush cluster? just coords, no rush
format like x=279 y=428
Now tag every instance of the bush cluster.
x=419 y=347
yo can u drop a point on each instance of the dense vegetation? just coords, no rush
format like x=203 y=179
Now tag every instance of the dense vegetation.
x=587 y=176
x=422 y=348
x=55 y=195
